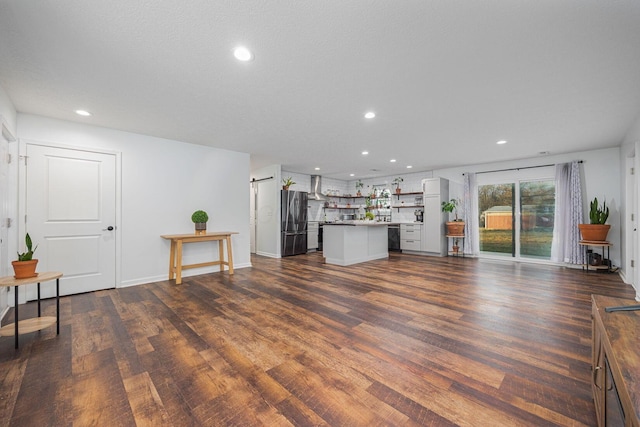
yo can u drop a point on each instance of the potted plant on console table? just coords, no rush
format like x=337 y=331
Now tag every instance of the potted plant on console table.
x=25 y=266
x=597 y=230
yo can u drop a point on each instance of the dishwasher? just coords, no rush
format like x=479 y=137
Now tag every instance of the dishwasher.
x=394 y=238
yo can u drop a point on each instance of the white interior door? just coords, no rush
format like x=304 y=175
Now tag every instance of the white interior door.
x=71 y=214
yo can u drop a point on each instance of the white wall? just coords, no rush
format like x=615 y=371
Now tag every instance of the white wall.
x=630 y=157
x=163 y=183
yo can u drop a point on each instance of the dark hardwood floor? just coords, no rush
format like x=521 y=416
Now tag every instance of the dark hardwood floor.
x=406 y=341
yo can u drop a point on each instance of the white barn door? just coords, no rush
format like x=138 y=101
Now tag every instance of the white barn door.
x=71 y=215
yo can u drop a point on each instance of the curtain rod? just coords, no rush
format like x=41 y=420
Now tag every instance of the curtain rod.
x=261 y=179
x=517 y=169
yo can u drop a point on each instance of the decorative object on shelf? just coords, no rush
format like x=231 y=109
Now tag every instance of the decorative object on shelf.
x=359 y=186
x=397 y=182
x=25 y=266
x=200 y=219
x=455 y=227
x=286 y=183
x=369 y=216
x=597 y=230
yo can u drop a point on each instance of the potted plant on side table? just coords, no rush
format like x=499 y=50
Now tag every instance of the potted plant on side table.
x=25 y=266
x=200 y=219
x=455 y=227
x=597 y=230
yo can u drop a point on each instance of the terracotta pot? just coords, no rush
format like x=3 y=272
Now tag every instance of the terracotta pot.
x=24 y=269
x=594 y=232
x=201 y=228
x=398 y=190
x=455 y=228
x=285 y=187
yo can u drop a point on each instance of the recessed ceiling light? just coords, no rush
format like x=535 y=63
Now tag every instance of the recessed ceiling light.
x=352 y=174
x=544 y=153
x=501 y=142
x=392 y=160
x=364 y=153
x=409 y=167
x=84 y=113
x=317 y=169
x=242 y=54
x=369 y=115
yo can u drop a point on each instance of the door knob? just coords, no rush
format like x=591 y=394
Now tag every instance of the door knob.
x=109 y=228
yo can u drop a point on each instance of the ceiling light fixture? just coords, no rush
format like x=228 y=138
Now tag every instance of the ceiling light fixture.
x=369 y=115
x=501 y=142
x=352 y=174
x=364 y=153
x=242 y=54
x=317 y=169
x=409 y=167
x=84 y=113
x=392 y=160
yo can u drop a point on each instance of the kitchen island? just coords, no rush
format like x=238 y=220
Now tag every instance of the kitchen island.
x=353 y=242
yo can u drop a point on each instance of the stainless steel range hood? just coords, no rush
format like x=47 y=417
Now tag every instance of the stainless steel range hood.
x=316 y=186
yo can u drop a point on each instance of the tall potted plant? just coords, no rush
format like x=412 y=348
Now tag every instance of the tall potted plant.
x=597 y=230
x=455 y=227
x=359 y=185
x=200 y=219
x=25 y=265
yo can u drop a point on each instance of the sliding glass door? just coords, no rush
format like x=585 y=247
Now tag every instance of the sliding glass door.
x=516 y=218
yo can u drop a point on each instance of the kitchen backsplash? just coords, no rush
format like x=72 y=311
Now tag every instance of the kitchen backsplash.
x=411 y=183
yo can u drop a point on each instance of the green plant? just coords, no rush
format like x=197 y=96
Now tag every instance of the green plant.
x=27 y=256
x=451 y=206
x=397 y=181
x=286 y=182
x=359 y=185
x=369 y=215
x=199 y=217
x=598 y=214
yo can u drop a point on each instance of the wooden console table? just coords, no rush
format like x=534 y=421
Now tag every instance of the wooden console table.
x=36 y=323
x=175 y=256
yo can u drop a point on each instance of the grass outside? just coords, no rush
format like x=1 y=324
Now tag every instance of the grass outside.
x=533 y=243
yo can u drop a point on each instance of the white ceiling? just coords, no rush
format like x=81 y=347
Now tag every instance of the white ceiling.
x=447 y=78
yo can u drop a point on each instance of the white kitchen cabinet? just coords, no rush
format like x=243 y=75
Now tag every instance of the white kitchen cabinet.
x=411 y=237
x=436 y=190
x=312 y=236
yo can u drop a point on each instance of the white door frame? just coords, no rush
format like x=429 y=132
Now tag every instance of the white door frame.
x=22 y=195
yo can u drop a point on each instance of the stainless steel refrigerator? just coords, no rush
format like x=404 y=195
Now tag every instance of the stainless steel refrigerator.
x=294 y=222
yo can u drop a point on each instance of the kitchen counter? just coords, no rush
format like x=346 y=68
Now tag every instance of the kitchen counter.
x=366 y=223
x=353 y=242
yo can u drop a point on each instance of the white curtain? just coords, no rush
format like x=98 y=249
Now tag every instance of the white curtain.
x=568 y=214
x=470 y=215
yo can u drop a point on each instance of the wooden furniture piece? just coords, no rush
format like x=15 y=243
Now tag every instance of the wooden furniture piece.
x=603 y=244
x=36 y=323
x=175 y=256
x=615 y=362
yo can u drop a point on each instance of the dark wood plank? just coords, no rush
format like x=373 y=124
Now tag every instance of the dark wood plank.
x=410 y=340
